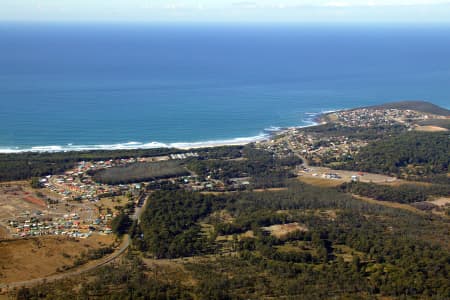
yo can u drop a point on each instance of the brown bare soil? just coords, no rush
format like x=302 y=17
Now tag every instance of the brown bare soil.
x=430 y=128
x=440 y=201
x=35 y=200
x=26 y=259
x=284 y=229
x=18 y=197
x=3 y=233
x=322 y=182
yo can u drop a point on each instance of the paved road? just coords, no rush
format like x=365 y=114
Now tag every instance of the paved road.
x=83 y=269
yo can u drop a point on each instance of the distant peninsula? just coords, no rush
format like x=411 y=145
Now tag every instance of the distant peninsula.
x=422 y=106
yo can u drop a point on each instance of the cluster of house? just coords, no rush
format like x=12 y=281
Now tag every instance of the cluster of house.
x=330 y=148
x=195 y=183
x=183 y=155
x=331 y=176
x=78 y=184
x=326 y=148
x=369 y=117
x=69 y=225
x=313 y=147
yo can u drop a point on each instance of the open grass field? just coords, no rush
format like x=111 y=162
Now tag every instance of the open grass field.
x=442 y=123
x=26 y=259
x=390 y=204
x=111 y=203
x=321 y=182
x=140 y=172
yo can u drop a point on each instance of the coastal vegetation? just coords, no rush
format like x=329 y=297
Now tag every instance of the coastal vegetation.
x=344 y=248
x=412 y=155
x=404 y=193
x=139 y=172
x=364 y=133
x=121 y=223
x=19 y=166
x=264 y=169
x=232 y=222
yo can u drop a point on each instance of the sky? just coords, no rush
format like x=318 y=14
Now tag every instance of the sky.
x=302 y=11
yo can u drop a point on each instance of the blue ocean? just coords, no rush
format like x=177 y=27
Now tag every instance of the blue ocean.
x=113 y=86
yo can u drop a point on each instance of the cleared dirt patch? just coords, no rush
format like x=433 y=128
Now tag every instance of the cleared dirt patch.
x=327 y=177
x=35 y=200
x=284 y=229
x=26 y=259
x=430 y=128
x=440 y=201
x=3 y=233
x=317 y=181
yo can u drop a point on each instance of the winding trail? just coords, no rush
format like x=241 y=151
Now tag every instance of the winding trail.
x=82 y=269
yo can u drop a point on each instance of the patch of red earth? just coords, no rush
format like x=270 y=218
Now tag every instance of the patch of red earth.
x=34 y=200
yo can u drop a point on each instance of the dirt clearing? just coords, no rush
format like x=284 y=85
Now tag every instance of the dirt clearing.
x=336 y=177
x=430 y=128
x=26 y=259
x=284 y=229
x=440 y=201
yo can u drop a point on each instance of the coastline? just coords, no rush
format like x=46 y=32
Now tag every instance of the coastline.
x=265 y=135
x=316 y=118
x=139 y=146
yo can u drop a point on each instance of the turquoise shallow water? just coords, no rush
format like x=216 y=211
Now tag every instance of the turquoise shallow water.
x=111 y=86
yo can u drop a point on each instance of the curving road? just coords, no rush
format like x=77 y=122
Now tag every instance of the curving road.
x=83 y=269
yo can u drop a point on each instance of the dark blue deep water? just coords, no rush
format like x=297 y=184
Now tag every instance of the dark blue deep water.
x=84 y=86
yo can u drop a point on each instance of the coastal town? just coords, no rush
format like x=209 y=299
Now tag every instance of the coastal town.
x=69 y=217
x=75 y=204
x=341 y=141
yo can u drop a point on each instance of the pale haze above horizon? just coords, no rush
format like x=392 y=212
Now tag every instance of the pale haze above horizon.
x=302 y=11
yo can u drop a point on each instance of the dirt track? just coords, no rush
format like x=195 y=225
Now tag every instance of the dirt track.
x=86 y=268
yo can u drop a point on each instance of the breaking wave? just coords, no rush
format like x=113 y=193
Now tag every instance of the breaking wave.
x=137 y=145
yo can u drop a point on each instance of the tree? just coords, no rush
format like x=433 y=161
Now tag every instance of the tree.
x=35 y=184
x=121 y=223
